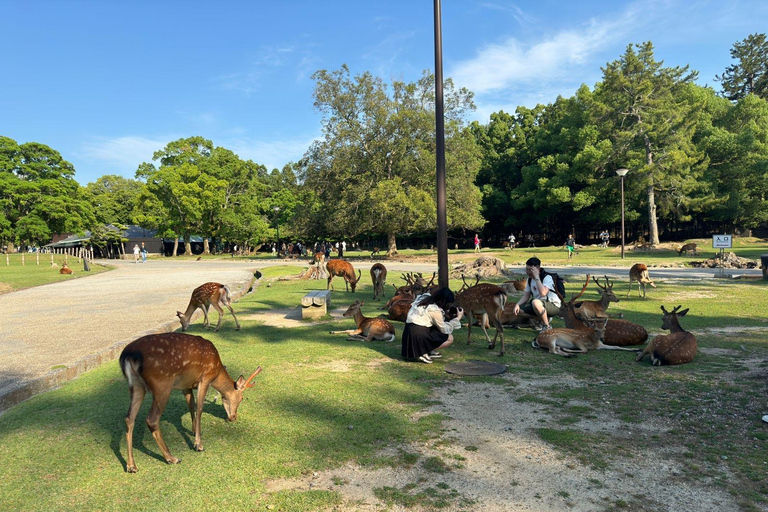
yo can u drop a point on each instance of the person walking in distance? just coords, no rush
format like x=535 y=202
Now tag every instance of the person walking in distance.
x=570 y=244
x=477 y=243
x=143 y=253
x=136 y=252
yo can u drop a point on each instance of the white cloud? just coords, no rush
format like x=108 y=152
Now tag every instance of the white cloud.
x=269 y=153
x=121 y=154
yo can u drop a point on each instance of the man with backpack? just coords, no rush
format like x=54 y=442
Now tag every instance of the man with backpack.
x=539 y=298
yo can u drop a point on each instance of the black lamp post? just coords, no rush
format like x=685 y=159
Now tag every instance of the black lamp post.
x=277 y=220
x=621 y=173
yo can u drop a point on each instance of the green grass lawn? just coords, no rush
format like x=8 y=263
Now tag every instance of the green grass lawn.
x=323 y=401
x=17 y=276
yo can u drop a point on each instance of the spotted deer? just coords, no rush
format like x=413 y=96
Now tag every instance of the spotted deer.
x=639 y=273
x=379 y=277
x=343 y=269
x=160 y=363
x=205 y=296
x=569 y=342
x=589 y=309
x=398 y=310
x=368 y=329
x=677 y=347
x=618 y=333
x=486 y=301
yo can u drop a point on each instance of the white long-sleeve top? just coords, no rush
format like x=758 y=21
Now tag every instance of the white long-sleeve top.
x=431 y=315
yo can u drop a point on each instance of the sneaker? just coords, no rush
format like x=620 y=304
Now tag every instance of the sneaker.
x=425 y=359
x=435 y=355
x=545 y=328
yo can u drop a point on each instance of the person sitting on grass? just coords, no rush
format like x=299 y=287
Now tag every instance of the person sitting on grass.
x=539 y=298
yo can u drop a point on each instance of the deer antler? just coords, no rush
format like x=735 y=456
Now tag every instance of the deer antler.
x=586 y=283
x=597 y=282
x=431 y=280
x=478 y=279
x=254 y=374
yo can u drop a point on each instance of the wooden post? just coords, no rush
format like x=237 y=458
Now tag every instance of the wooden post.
x=37 y=257
x=66 y=256
x=7 y=260
x=54 y=250
x=23 y=261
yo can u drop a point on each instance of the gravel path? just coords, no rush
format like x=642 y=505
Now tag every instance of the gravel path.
x=50 y=334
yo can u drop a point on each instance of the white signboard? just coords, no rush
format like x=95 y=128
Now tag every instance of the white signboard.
x=722 y=241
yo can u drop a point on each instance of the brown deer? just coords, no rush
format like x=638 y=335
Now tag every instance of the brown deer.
x=343 y=269
x=379 y=277
x=160 y=363
x=486 y=301
x=677 y=347
x=375 y=252
x=368 y=329
x=589 y=309
x=568 y=342
x=398 y=310
x=618 y=333
x=205 y=296
x=639 y=273
x=691 y=247
x=65 y=269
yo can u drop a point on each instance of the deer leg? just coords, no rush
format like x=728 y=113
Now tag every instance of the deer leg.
x=221 y=314
x=329 y=286
x=229 y=307
x=500 y=334
x=137 y=396
x=153 y=422
x=201 y=391
x=483 y=321
x=470 y=319
x=204 y=307
x=190 y=398
x=603 y=346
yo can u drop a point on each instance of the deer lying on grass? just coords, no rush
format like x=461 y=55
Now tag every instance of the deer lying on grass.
x=692 y=248
x=343 y=269
x=568 y=342
x=618 y=333
x=160 y=363
x=589 y=309
x=379 y=277
x=486 y=301
x=677 y=347
x=368 y=329
x=205 y=296
x=639 y=273
x=65 y=269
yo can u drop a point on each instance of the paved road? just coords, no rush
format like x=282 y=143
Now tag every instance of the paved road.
x=52 y=333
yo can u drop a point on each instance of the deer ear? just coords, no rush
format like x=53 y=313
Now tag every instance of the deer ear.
x=683 y=312
x=240 y=383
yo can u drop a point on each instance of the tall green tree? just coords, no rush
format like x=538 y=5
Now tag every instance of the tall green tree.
x=648 y=114
x=749 y=75
x=113 y=198
x=38 y=194
x=374 y=169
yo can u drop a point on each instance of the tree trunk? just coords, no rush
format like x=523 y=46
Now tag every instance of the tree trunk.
x=187 y=245
x=176 y=246
x=392 y=243
x=206 y=246
x=653 y=227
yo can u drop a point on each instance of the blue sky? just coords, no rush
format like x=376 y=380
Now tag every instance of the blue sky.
x=107 y=83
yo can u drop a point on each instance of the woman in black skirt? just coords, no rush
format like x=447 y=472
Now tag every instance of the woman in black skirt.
x=426 y=327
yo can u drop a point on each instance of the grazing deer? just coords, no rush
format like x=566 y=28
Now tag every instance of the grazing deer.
x=160 y=363
x=485 y=301
x=692 y=248
x=65 y=269
x=618 y=333
x=343 y=269
x=375 y=252
x=677 y=347
x=205 y=296
x=639 y=273
x=589 y=309
x=368 y=329
x=379 y=277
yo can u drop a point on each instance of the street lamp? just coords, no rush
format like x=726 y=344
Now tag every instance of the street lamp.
x=621 y=173
x=277 y=220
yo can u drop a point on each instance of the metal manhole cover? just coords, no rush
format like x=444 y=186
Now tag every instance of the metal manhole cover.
x=475 y=368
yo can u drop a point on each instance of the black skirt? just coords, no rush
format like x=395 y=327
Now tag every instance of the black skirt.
x=419 y=340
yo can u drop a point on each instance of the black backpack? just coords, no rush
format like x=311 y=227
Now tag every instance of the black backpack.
x=559 y=283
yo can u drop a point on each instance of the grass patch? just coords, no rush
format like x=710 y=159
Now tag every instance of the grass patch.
x=15 y=276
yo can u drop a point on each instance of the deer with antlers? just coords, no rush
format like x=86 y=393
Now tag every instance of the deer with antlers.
x=160 y=363
x=345 y=270
x=485 y=301
x=639 y=273
x=618 y=333
x=368 y=329
x=379 y=277
x=205 y=296
x=590 y=309
x=677 y=347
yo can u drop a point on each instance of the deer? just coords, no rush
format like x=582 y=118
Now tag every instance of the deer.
x=205 y=296
x=65 y=269
x=569 y=342
x=486 y=301
x=618 y=333
x=398 y=310
x=375 y=252
x=691 y=247
x=160 y=363
x=590 y=309
x=379 y=277
x=639 y=273
x=677 y=347
x=343 y=269
x=368 y=329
